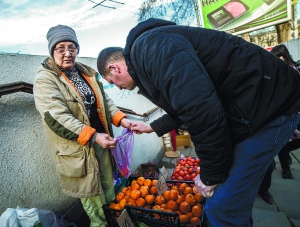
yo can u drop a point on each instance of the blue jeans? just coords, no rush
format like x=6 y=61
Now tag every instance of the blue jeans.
x=232 y=202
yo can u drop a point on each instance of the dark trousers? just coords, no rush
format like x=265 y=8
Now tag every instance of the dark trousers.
x=284 y=153
x=266 y=183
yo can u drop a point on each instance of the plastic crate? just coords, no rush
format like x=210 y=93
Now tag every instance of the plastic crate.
x=147 y=170
x=152 y=218
x=147 y=216
x=111 y=215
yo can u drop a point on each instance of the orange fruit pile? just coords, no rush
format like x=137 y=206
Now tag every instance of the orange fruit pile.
x=180 y=199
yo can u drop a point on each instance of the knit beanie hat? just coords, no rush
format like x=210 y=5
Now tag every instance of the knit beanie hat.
x=58 y=34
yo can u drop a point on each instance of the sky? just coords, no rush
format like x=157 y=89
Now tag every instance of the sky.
x=25 y=23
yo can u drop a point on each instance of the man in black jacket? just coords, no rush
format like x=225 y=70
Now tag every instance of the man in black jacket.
x=238 y=101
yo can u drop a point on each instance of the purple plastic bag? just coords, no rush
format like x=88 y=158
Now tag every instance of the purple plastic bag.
x=123 y=152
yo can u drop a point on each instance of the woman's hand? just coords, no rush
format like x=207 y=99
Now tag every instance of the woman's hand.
x=206 y=191
x=126 y=123
x=105 y=141
x=139 y=128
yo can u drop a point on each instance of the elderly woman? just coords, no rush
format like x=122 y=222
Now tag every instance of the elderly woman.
x=77 y=117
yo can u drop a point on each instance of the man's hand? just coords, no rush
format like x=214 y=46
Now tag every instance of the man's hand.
x=105 y=141
x=126 y=123
x=139 y=128
x=296 y=135
x=206 y=191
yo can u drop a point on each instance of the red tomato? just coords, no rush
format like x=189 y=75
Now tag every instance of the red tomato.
x=191 y=170
x=180 y=178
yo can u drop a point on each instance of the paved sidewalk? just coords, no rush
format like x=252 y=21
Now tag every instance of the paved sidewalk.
x=285 y=212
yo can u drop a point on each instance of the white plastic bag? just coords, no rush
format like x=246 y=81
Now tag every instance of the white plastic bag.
x=9 y=218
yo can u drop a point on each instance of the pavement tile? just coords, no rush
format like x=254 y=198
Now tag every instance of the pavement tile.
x=266 y=218
x=296 y=223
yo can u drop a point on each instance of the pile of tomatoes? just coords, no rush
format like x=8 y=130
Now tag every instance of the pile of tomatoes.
x=186 y=169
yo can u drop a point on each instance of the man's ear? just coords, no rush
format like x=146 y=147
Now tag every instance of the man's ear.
x=112 y=67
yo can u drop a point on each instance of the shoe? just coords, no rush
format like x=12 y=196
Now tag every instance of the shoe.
x=267 y=197
x=289 y=161
x=286 y=174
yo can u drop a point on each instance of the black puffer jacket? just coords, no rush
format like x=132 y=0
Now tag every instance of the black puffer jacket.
x=221 y=87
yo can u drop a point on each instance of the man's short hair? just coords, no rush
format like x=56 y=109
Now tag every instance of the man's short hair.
x=107 y=56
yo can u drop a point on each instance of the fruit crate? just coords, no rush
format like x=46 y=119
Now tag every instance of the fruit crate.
x=147 y=216
x=147 y=170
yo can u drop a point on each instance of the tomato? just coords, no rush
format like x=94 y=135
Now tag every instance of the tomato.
x=180 y=178
x=193 y=175
x=197 y=160
x=173 y=178
x=177 y=170
x=191 y=170
x=198 y=171
x=187 y=177
x=181 y=173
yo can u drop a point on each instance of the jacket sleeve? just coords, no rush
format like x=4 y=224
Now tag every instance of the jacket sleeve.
x=52 y=105
x=114 y=111
x=170 y=62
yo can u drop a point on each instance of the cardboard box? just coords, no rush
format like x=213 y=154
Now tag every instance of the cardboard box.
x=184 y=140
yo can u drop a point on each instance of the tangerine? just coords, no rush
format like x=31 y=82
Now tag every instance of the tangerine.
x=148 y=182
x=188 y=190
x=117 y=207
x=173 y=195
x=124 y=190
x=195 y=221
x=184 y=219
x=133 y=182
x=111 y=205
x=135 y=186
x=199 y=197
x=160 y=200
x=140 y=202
x=144 y=192
x=190 y=215
x=123 y=203
x=166 y=194
x=174 y=187
x=197 y=211
x=153 y=183
x=156 y=207
x=120 y=196
x=149 y=199
x=153 y=190
x=131 y=203
x=135 y=194
x=164 y=206
x=182 y=187
x=180 y=199
x=190 y=199
x=140 y=180
x=172 y=205
x=184 y=207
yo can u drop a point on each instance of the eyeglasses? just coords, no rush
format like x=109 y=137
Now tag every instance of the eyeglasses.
x=63 y=50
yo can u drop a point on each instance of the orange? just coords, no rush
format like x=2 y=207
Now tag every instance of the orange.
x=183 y=219
x=190 y=215
x=184 y=207
x=153 y=190
x=135 y=194
x=197 y=211
x=172 y=205
x=111 y=205
x=166 y=194
x=148 y=183
x=169 y=210
x=195 y=221
x=190 y=199
x=133 y=182
x=135 y=186
x=174 y=187
x=178 y=212
x=153 y=183
x=164 y=206
x=131 y=203
x=117 y=207
x=120 y=196
x=124 y=190
x=173 y=195
x=140 y=180
x=140 y=202
x=188 y=190
x=149 y=199
x=127 y=197
x=129 y=187
x=160 y=200
x=123 y=203
x=147 y=206
x=199 y=197
x=182 y=187
x=128 y=192
x=144 y=192
x=180 y=199
x=156 y=207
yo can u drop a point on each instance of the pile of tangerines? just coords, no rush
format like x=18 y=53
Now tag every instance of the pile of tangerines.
x=179 y=198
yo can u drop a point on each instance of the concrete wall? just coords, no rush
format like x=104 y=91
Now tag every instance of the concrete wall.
x=28 y=177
